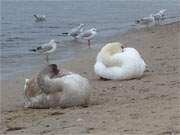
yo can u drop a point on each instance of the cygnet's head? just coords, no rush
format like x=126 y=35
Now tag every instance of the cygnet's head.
x=50 y=70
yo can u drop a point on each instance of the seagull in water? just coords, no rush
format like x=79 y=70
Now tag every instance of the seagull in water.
x=159 y=16
x=74 y=32
x=88 y=35
x=150 y=20
x=40 y=18
x=46 y=49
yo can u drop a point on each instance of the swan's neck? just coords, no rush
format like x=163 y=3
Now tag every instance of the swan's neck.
x=107 y=57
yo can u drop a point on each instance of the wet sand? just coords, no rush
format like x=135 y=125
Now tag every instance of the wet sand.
x=146 y=106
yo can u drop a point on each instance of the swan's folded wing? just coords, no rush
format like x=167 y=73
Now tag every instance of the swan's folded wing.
x=62 y=73
x=56 y=85
x=125 y=55
x=113 y=73
x=118 y=59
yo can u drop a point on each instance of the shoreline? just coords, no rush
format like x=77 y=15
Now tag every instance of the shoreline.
x=152 y=100
x=130 y=28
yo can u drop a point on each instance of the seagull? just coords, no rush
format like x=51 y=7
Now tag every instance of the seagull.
x=159 y=15
x=147 y=20
x=40 y=18
x=74 y=32
x=46 y=49
x=88 y=35
x=162 y=12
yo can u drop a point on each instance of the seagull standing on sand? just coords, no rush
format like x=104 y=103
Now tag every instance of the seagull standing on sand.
x=40 y=18
x=46 y=49
x=88 y=35
x=159 y=16
x=150 y=20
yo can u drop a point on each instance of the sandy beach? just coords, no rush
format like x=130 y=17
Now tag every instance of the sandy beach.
x=146 y=106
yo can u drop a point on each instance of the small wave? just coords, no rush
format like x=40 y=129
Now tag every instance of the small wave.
x=35 y=32
x=54 y=27
x=19 y=38
x=5 y=23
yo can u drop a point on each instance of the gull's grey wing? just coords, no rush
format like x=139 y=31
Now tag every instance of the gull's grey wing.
x=73 y=30
x=86 y=34
x=44 y=48
x=146 y=19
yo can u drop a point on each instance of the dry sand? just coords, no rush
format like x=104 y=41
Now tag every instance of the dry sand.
x=146 y=106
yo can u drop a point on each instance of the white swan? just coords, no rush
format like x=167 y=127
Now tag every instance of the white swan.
x=118 y=63
x=52 y=87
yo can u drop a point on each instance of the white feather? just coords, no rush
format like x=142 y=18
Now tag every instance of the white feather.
x=119 y=65
x=75 y=91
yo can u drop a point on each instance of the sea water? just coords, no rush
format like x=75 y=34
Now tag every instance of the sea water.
x=19 y=31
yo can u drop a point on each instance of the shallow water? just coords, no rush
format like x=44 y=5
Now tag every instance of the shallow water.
x=19 y=32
